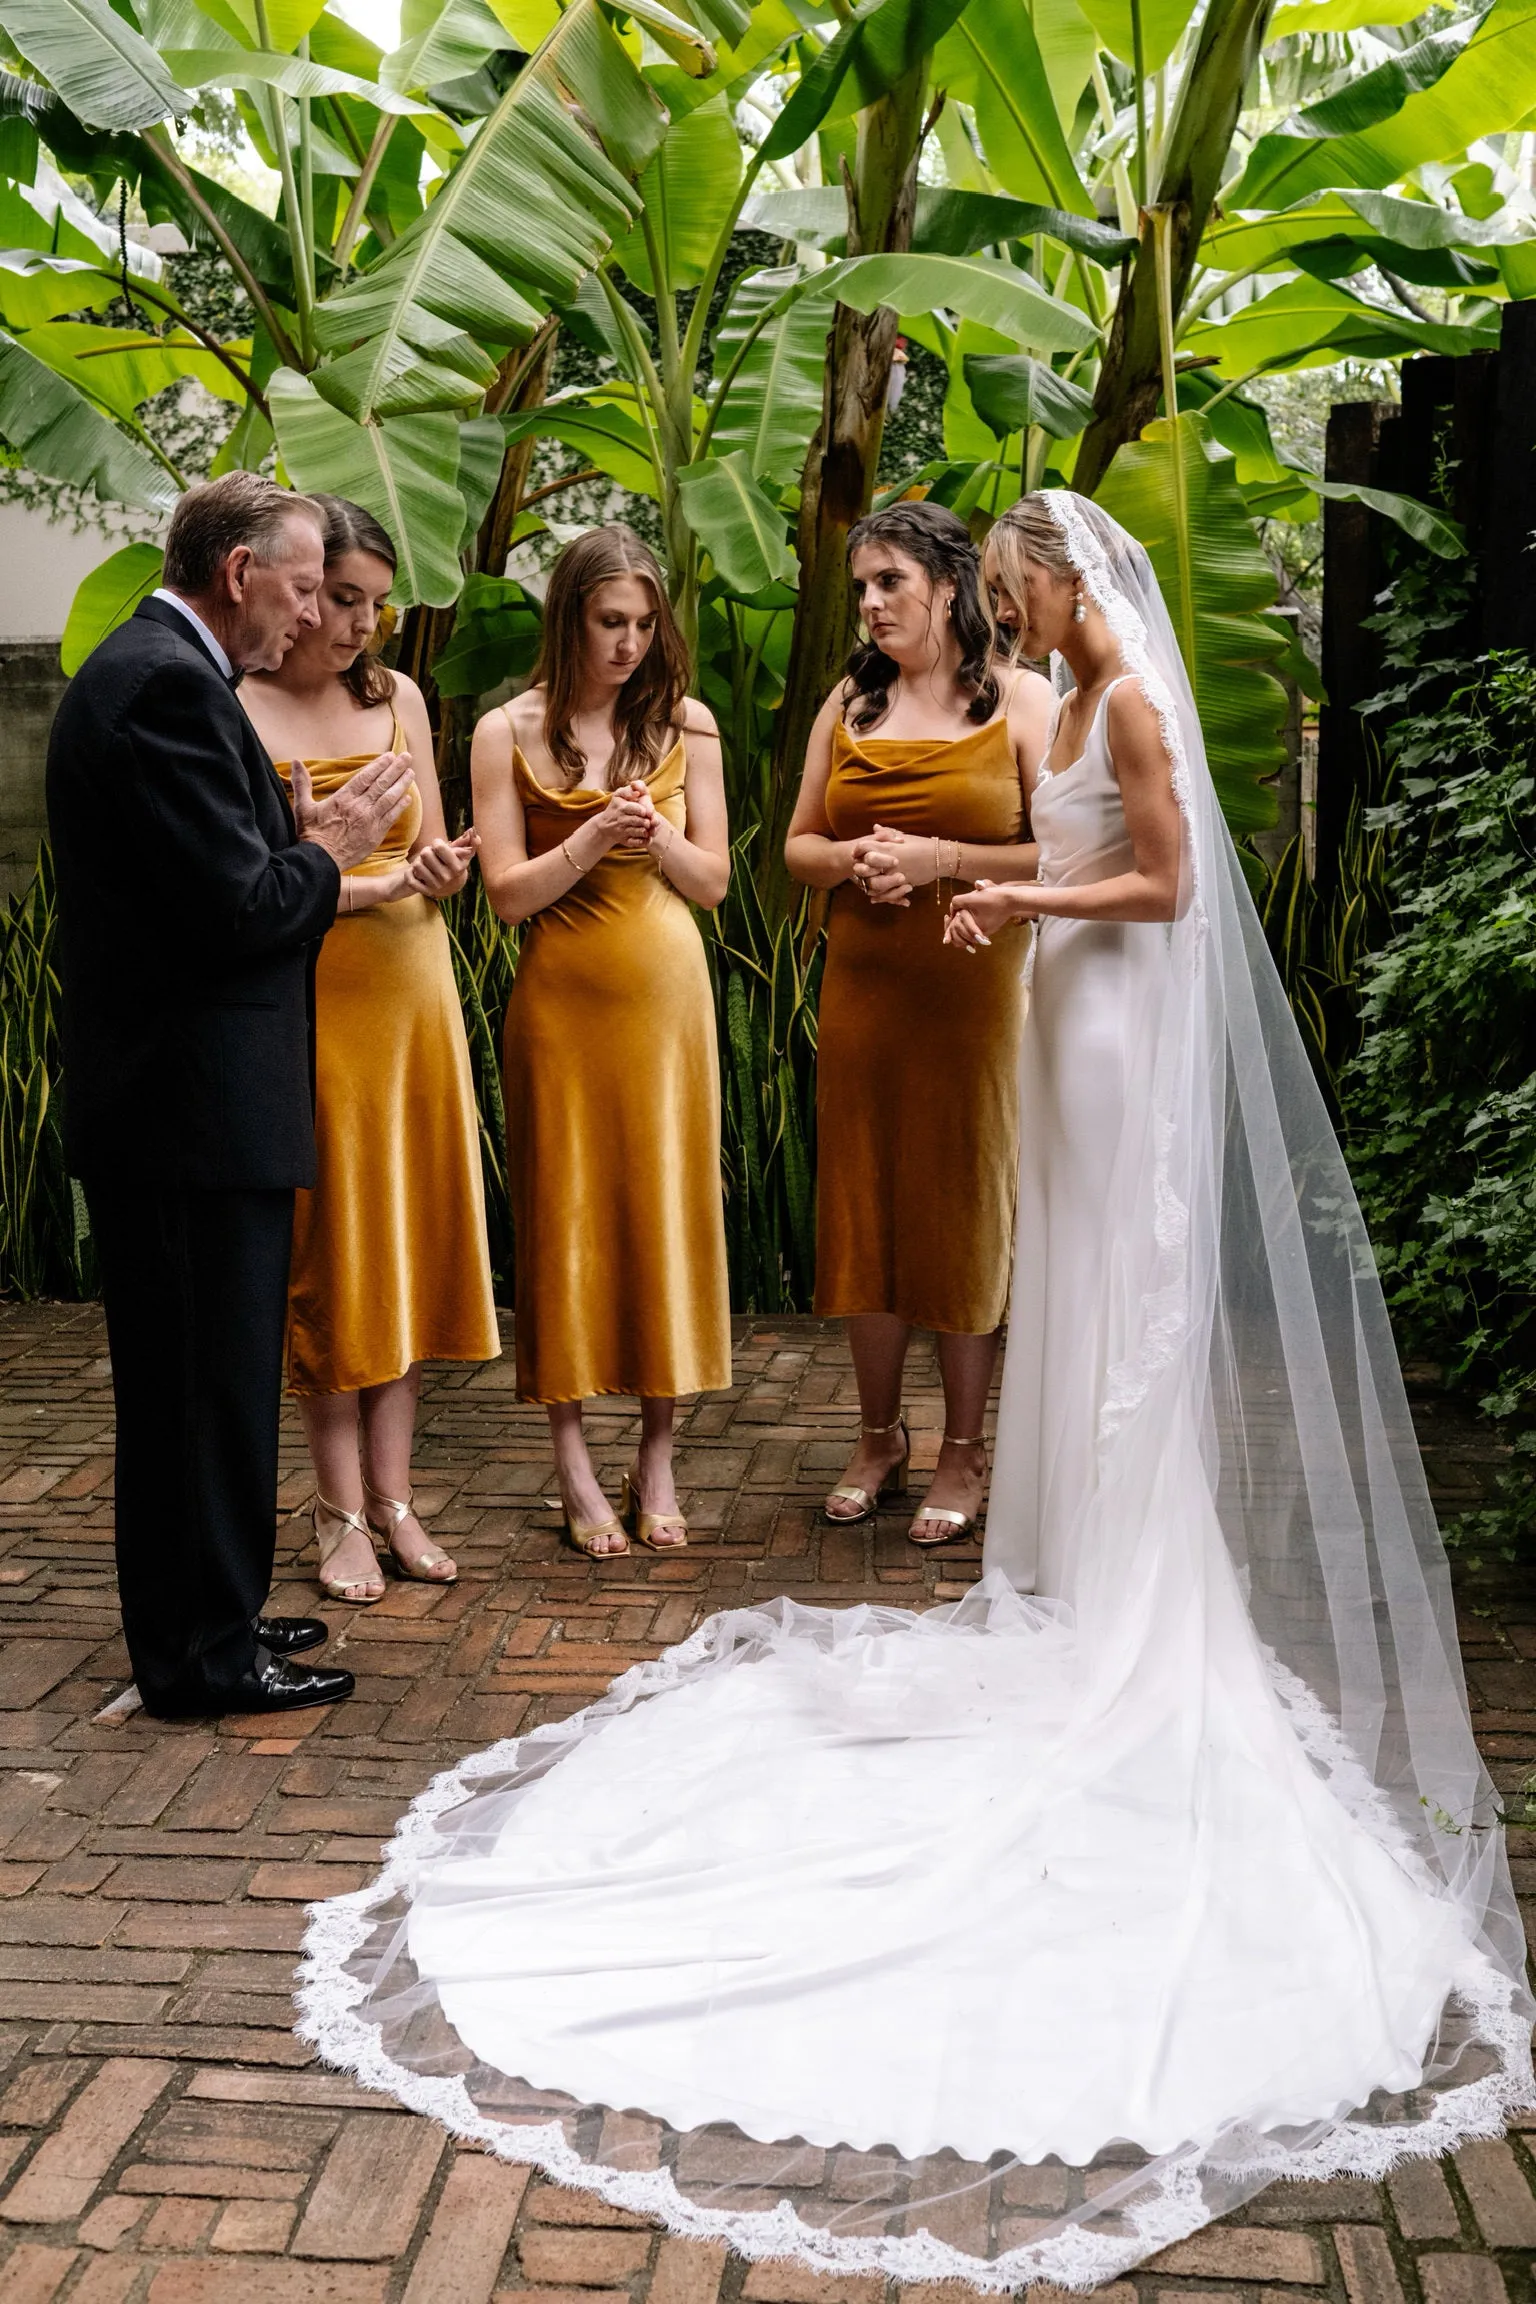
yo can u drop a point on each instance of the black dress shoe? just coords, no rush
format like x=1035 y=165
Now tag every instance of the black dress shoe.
x=291 y=1635
x=278 y=1686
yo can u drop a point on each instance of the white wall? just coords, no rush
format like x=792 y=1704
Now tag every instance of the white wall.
x=41 y=562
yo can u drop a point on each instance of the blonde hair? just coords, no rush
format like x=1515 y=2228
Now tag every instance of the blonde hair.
x=1027 y=531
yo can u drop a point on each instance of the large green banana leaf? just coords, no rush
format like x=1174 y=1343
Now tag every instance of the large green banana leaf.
x=1175 y=490
x=872 y=48
x=107 y=598
x=405 y=472
x=1011 y=392
x=34 y=287
x=689 y=189
x=771 y=26
x=445 y=41
x=607 y=435
x=1159 y=24
x=774 y=402
x=119 y=368
x=532 y=200
x=947 y=222
x=1486 y=90
x=293 y=75
x=739 y=526
x=999 y=296
x=58 y=223
x=103 y=67
x=1236 y=243
x=59 y=433
x=992 y=61
x=1369 y=97
x=1309 y=17
x=1308 y=321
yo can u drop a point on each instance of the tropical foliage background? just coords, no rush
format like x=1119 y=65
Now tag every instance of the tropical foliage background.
x=679 y=257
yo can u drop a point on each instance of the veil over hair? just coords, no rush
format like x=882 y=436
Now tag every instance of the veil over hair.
x=1246 y=1343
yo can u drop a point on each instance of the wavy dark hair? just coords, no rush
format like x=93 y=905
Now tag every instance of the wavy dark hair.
x=650 y=703
x=941 y=545
x=348 y=528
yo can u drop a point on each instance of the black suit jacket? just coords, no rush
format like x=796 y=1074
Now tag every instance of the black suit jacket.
x=189 y=914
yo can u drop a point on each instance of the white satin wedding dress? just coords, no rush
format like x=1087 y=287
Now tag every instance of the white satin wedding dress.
x=1014 y=1940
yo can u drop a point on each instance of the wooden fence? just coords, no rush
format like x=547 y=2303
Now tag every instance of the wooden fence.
x=1463 y=438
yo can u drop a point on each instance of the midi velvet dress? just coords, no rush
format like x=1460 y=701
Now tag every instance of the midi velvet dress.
x=613 y=1123
x=917 y=1127
x=390 y=1262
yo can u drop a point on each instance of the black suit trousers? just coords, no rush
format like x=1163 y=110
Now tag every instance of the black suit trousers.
x=195 y=1284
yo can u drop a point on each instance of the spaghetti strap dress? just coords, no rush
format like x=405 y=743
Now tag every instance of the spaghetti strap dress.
x=390 y=1260
x=613 y=1123
x=917 y=1060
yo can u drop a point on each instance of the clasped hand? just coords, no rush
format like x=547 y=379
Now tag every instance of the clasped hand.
x=631 y=819
x=888 y=864
x=990 y=905
x=440 y=868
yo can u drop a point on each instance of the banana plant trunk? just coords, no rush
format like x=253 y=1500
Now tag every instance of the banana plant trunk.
x=427 y=630
x=1195 y=154
x=839 y=476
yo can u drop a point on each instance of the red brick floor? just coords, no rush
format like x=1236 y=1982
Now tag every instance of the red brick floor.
x=165 y=2137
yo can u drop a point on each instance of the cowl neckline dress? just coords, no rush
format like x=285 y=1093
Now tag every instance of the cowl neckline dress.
x=390 y=1260
x=613 y=1122
x=917 y=1049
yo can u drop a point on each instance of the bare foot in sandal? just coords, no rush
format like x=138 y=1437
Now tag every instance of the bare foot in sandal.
x=948 y=1513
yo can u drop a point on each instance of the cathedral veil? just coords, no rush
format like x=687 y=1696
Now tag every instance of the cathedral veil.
x=806 y=1829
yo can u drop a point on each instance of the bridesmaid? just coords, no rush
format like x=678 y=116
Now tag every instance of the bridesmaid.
x=914 y=780
x=600 y=799
x=389 y=1252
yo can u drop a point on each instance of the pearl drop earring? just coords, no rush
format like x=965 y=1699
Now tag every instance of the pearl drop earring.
x=1079 y=612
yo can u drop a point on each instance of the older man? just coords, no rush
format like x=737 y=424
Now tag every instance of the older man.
x=191 y=905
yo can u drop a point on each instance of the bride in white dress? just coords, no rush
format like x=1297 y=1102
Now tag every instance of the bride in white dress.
x=1012 y=1941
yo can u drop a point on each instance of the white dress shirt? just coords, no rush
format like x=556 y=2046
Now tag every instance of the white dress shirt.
x=215 y=650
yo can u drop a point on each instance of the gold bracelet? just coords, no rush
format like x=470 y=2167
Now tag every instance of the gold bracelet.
x=565 y=850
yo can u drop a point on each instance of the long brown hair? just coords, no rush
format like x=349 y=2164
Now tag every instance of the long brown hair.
x=940 y=543
x=348 y=528
x=649 y=704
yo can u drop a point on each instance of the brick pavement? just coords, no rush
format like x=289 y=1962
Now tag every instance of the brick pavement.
x=165 y=2137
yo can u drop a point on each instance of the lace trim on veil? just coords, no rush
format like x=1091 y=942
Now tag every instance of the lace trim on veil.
x=1150 y=2207
x=1153 y=2207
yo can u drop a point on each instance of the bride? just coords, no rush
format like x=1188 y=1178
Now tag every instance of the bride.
x=1015 y=1940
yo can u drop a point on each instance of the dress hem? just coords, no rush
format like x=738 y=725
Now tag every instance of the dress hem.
x=459 y=1358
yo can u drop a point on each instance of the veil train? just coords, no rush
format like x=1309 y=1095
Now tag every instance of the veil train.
x=1013 y=1941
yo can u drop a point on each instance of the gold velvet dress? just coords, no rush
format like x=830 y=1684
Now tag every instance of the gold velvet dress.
x=613 y=1124
x=390 y=1263
x=918 y=1046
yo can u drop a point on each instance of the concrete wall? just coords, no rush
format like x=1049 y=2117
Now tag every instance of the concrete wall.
x=41 y=563
x=30 y=687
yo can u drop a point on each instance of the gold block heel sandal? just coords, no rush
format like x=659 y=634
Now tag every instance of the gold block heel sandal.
x=643 y=1526
x=957 y=1525
x=894 y=1483
x=579 y=1535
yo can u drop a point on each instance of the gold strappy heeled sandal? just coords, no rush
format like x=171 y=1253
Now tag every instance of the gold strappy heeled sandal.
x=643 y=1525
x=958 y=1525
x=579 y=1534
x=419 y=1571
x=894 y=1483
x=356 y=1591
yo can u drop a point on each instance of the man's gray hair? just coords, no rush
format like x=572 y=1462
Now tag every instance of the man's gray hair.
x=211 y=520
